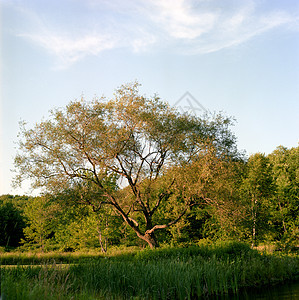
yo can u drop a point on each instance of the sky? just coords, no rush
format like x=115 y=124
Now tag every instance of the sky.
x=237 y=57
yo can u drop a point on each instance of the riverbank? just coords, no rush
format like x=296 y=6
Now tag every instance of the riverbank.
x=169 y=273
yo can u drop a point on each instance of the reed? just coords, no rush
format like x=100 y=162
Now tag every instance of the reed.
x=170 y=273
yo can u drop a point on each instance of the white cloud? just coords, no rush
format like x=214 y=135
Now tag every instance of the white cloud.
x=191 y=27
x=143 y=42
x=239 y=29
x=69 y=50
x=209 y=26
x=179 y=20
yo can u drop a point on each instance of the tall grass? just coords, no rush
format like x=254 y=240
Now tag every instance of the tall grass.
x=182 y=278
x=170 y=273
x=29 y=258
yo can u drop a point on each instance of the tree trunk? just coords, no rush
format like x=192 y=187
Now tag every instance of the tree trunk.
x=283 y=222
x=103 y=248
x=254 y=217
x=253 y=233
x=151 y=240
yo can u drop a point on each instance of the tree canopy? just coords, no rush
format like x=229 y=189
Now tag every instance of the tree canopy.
x=131 y=141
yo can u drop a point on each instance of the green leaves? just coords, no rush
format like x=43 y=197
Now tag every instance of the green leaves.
x=40 y=214
x=129 y=140
x=285 y=201
x=11 y=223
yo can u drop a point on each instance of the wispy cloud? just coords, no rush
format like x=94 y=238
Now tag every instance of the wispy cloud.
x=179 y=19
x=238 y=29
x=193 y=27
x=69 y=50
x=210 y=28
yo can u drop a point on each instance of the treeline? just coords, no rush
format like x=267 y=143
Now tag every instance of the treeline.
x=253 y=200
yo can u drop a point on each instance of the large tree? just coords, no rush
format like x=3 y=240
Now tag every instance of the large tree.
x=130 y=140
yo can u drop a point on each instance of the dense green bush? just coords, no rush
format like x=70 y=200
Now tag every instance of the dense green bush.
x=11 y=225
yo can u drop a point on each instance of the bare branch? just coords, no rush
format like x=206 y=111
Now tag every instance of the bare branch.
x=161 y=197
x=156 y=227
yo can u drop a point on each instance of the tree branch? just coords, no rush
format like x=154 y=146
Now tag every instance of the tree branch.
x=156 y=227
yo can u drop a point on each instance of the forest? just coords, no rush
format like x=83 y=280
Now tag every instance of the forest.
x=262 y=209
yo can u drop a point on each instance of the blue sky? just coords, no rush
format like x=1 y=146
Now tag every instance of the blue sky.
x=239 y=57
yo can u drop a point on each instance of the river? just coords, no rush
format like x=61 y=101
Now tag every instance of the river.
x=285 y=291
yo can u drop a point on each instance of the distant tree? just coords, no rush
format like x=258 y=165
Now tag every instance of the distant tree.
x=18 y=201
x=285 y=166
x=213 y=180
x=41 y=222
x=130 y=138
x=79 y=225
x=258 y=189
x=12 y=223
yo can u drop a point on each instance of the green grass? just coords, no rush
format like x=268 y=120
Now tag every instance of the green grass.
x=19 y=258
x=169 y=273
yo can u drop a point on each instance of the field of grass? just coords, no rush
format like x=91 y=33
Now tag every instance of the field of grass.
x=168 y=273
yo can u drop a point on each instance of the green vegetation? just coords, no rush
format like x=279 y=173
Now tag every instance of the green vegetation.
x=88 y=148
x=254 y=201
x=131 y=173
x=166 y=273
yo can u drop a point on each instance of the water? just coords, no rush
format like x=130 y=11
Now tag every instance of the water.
x=285 y=291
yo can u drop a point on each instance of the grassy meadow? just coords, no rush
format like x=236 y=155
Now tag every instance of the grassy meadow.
x=194 y=272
